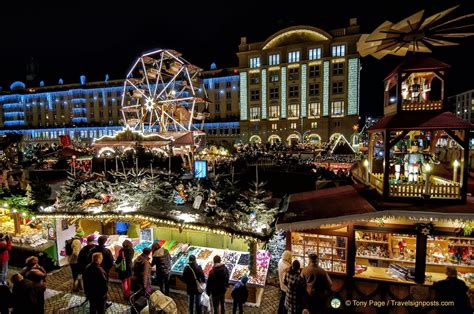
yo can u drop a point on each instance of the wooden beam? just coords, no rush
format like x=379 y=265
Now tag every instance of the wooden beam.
x=465 y=166
x=420 y=262
x=398 y=138
x=351 y=251
x=456 y=138
x=386 y=168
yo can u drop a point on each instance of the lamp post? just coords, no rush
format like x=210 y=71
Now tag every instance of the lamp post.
x=74 y=164
x=366 y=166
x=455 y=170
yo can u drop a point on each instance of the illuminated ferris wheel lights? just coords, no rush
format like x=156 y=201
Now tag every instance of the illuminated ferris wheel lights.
x=173 y=92
x=149 y=105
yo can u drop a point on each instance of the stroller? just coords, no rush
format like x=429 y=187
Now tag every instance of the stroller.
x=161 y=304
x=139 y=300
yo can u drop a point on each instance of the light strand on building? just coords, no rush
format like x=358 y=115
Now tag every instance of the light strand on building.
x=303 y=90
x=326 y=88
x=283 y=92
x=353 y=87
x=243 y=96
x=264 y=93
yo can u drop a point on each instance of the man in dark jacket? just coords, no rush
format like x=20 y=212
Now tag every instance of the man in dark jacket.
x=141 y=277
x=191 y=273
x=240 y=294
x=162 y=260
x=217 y=283
x=95 y=284
x=453 y=289
x=25 y=296
x=84 y=254
x=108 y=258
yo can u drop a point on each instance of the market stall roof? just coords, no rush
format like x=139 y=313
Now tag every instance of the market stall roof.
x=66 y=152
x=418 y=63
x=342 y=205
x=305 y=209
x=406 y=120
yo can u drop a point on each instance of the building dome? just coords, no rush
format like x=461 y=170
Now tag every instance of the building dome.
x=294 y=35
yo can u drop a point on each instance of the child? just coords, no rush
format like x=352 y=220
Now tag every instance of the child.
x=240 y=294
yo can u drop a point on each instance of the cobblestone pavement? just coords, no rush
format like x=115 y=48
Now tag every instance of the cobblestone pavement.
x=58 y=297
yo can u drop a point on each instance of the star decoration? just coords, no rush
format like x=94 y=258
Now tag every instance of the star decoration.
x=425 y=231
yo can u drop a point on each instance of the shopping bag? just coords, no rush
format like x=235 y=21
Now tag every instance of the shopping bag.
x=206 y=302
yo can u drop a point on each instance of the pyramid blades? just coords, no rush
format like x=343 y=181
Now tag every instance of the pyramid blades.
x=436 y=17
x=410 y=23
x=440 y=42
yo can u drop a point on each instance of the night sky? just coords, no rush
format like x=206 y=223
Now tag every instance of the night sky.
x=95 y=38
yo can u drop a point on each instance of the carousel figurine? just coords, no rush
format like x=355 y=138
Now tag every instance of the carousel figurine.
x=413 y=163
x=211 y=203
x=180 y=196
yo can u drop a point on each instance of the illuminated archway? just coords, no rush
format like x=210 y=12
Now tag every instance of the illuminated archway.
x=313 y=138
x=335 y=136
x=272 y=139
x=255 y=139
x=293 y=138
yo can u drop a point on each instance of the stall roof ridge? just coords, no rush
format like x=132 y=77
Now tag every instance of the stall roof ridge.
x=418 y=62
x=427 y=120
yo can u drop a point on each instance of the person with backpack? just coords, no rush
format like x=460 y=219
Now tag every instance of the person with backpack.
x=295 y=284
x=5 y=247
x=123 y=266
x=107 y=257
x=217 y=283
x=193 y=277
x=73 y=247
x=318 y=285
x=162 y=259
x=240 y=295
x=84 y=254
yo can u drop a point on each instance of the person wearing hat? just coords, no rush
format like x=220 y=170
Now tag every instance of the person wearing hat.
x=76 y=245
x=83 y=255
x=141 y=278
x=240 y=294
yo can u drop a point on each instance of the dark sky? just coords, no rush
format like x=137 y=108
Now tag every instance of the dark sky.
x=99 y=37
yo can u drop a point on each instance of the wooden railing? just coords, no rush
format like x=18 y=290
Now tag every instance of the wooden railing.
x=376 y=180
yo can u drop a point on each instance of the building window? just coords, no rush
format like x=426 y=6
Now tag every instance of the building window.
x=338 y=68
x=338 y=87
x=228 y=84
x=274 y=112
x=274 y=59
x=314 y=110
x=293 y=91
x=229 y=106
x=294 y=111
x=293 y=125
x=314 y=54
x=274 y=76
x=255 y=113
x=218 y=107
x=337 y=108
x=338 y=51
x=314 y=125
x=216 y=85
x=274 y=126
x=255 y=94
x=314 y=89
x=293 y=56
x=293 y=74
x=228 y=95
x=337 y=123
x=274 y=93
x=314 y=71
x=255 y=62
x=255 y=79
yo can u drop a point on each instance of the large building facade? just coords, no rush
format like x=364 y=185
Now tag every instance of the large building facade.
x=300 y=85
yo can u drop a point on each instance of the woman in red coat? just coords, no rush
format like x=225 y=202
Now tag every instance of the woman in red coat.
x=5 y=246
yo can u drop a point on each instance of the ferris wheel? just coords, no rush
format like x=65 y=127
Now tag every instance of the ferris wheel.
x=160 y=94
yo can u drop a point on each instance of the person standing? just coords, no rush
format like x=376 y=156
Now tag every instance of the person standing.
x=192 y=275
x=217 y=283
x=95 y=284
x=5 y=247
x=84 y=254
x=453 y=289
x=126 y=255
x=162 y=259
x=24 y=296
x=284 y=265
x=240 y=295
x=295 y=284
x=141 y=278
x=76 y=244
x=318 y=285
x=107 y=257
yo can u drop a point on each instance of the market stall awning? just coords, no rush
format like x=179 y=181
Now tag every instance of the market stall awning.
x=428 y=120
x=419 y=62
x=306 y=209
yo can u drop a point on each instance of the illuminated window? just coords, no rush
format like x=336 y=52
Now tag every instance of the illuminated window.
x=314 y=125
x=274 y=59
x=274 y=112
x=314 y=110
x=337 y=108
x=254 y=62
x=274 y=76
x=293 y=125
x=293 y=74
x=274 y=93
x=293 y=91
x=314 y=54
x=293 y=56
x=314 y=71
x=274 y=126
x=337 y=87
x=338 y=51
x=338 y=68
x=255 y=94
x=254 y=113
x=314 y=89
x=293 y=111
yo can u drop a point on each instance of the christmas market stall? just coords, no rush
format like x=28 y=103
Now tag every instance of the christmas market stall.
x=200 y=217
x=381 y=251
